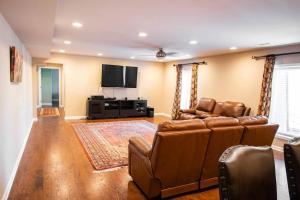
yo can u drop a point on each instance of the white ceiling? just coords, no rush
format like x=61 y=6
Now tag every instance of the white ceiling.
x=111 y=27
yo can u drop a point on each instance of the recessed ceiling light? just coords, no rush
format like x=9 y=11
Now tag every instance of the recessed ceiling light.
x=143 y=34
x=233 y=48
x=77 y=24
x=132 y=57
x=193 y=42
x=100 y=54
x=67 y=42
x=62 y=51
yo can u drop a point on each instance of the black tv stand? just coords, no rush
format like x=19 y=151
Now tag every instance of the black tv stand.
x=105 y=108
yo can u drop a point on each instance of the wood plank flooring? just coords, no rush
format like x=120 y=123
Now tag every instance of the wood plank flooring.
x=54 y=166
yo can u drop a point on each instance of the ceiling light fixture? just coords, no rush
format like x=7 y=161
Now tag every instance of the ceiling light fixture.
x=142 y=34
x=62 y=51
x=100 y=54
x=193 y=42
x=67 y=42
x=233 y=48
x=77 y=24
x=132 y=57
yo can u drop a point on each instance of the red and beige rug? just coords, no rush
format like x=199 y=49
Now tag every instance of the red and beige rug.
x=106 y=143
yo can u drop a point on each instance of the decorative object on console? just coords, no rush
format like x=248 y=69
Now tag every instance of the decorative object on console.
x=16 y=64
x=106 y=143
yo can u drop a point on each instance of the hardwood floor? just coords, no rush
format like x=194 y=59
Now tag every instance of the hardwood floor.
x=54 y=166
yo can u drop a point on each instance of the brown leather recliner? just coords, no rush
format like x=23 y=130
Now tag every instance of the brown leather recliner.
x=257 y=132
x=208 y=107
x=247 y=173
x=174 y=162
x=226 y=132
x=292 y=165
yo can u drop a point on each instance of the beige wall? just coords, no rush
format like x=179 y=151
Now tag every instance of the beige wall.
x=82 y=78
x=235 y=77
x=15 y=108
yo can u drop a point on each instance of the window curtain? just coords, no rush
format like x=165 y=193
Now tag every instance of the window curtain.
x=176 y=103
x=194 y=86
x=266 y=87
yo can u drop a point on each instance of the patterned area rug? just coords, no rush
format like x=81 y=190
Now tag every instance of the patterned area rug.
x=106 y=143
x=49 y=112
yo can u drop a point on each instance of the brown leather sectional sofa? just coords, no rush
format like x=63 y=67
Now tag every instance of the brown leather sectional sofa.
x=184 y=154
x=208 y=107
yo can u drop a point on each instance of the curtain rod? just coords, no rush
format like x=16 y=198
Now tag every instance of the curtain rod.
x=199 y=63
x=280 y=54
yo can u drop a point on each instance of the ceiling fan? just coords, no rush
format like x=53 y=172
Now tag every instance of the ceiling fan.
x=161 y=54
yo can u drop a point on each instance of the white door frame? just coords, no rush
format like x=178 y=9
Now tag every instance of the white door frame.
x=40 y=83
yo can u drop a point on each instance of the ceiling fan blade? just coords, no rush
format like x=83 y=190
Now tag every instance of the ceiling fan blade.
x=171 y=53
x=147 y=55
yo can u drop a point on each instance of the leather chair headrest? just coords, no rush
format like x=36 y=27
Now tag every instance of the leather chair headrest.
x=180 y=125
x=212 y=122
x=253 y=120
x=206 y=104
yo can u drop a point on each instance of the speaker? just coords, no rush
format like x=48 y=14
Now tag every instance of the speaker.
x=150 y=112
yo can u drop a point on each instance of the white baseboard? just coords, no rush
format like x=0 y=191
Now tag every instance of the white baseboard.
x=277 y=148
x=15 y=169
x=70 y=117
x=46 y=104
x=283 y=137
x=163 y=114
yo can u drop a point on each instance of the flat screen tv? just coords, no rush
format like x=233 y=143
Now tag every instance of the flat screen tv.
x=112 y=76
x=131 y=77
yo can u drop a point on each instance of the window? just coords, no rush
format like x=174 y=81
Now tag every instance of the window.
x=285 y=101
x=186 y=87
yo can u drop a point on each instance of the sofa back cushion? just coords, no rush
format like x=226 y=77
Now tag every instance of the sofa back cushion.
x=218 y=109
x=177 y=154
x=257 y=131
x=181 y=125
x=233 y=109
x=206 y=104
x=225 y=132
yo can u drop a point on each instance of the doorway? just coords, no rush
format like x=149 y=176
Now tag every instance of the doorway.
x=49 y=87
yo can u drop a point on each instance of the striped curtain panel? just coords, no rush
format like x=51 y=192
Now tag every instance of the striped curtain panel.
x=176 y=103
x=266 y=87
x=194 y=86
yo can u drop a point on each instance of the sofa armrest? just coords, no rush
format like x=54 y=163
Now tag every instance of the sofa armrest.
x=190 y=111
x=247 y=111
x=140 y=145
x=139 y=167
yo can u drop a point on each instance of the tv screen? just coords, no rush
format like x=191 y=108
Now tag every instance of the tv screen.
x=131 y=77
x=112 y=76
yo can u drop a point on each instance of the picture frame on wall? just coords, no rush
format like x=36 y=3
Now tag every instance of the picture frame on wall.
x=16 y=65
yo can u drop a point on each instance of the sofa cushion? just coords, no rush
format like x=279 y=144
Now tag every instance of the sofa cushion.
x=206 y=104
x=186 y=116
x=233 y=109
x=180 y=125
x=203 y=115
x=253 y=120
x=218 y=108
x=213 y=122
